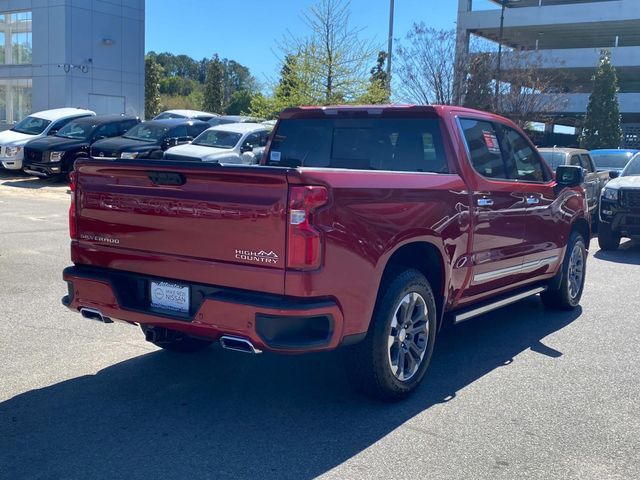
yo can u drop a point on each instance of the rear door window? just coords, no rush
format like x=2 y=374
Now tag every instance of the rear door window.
x=484 y=148
x=395 y=144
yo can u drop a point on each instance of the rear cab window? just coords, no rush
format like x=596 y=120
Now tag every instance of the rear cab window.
x=388 y=144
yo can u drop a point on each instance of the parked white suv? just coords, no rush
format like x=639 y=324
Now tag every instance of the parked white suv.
x=36 y=125
x=241 y=143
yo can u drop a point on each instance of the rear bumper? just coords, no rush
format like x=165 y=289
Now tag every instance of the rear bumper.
x=271 y=322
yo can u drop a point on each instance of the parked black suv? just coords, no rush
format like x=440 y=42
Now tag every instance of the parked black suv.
x=620 y=207
x=54 y=155
x=149 y=139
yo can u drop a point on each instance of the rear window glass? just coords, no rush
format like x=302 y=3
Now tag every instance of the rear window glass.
x=405 y=145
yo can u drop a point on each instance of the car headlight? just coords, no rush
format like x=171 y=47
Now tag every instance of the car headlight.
x=129 y=155
x=13 y=151
x=55 y=156
x=610 y=193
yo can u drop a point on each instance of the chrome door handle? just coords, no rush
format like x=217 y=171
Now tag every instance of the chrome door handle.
x=485 y=202
x=533 y=200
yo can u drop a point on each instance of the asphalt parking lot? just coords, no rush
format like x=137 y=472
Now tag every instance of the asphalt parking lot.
x=518 y=393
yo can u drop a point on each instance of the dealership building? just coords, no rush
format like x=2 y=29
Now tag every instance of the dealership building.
x=71 y=53
x=566 y=35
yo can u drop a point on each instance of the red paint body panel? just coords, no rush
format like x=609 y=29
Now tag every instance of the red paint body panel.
x=193 y=231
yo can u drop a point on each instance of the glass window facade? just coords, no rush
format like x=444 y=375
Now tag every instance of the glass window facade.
x=15 y=49
x=15 y=38
x=15 y=100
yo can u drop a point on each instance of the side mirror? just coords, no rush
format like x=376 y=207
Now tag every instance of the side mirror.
x=53 y=131
x=99 y=137
x=614 y=174
x=246 y=148
x=568 y=176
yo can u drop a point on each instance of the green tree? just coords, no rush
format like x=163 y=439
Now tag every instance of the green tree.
x=237 y=78
x=378 y=90
x=152 y=77
x=239 y=103
x=602 y=123
x=263 y=107
x=332 y=59
x=478 y=90
x=214 y=85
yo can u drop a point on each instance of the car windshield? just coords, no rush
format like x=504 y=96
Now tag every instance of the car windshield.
x=554 y=159
x=633 y=167
x=31 y=125
x=607 y=161
x=146 y=132
x=80 y=131
x=217 y=139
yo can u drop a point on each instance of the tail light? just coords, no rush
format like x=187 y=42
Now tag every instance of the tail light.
x=304 y=241
x=73 y=225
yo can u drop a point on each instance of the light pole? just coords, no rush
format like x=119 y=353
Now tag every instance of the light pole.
x=503 y=4
x=390 y=47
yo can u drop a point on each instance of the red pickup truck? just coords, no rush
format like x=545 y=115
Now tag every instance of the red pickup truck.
x=365 y=227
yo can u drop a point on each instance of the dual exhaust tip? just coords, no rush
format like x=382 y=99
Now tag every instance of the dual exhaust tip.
x=238 y=344
x=92 y=314
x=228 y=342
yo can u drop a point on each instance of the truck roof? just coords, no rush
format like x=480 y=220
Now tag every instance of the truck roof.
x=381 y=110
x=59 y=113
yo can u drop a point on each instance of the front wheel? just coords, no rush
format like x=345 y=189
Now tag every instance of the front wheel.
x=607 y=239
x=393 y=358
x=572 y=276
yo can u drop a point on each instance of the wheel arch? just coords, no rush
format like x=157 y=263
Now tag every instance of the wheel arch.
x=582 y=226
x=425 y=257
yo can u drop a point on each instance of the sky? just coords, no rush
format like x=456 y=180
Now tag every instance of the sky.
x=247 y=31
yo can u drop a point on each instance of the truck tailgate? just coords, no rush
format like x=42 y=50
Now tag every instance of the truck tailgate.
x=228 y=221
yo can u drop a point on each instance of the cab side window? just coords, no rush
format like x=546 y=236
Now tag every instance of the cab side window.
x=587 y=163
x=484 y=148
x=127 y=125
x=59 y=124
x=178 y=132
x=264 y=137
x=107 y=131
x=195 y=130
x=575 y=161
x=527 y=164
x=253 y=140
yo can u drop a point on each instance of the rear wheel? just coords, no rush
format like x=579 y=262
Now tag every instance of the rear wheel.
x=572 y=276
x=393 y=358
x=173 y=340
x=607 y=239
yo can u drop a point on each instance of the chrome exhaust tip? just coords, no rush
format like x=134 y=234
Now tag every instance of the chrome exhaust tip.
x=92 y=314
x=238 y=344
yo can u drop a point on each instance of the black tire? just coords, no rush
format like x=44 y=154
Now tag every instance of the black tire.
x=174 y=341
x=607 y=239
x=567 y=295
x=369 y=363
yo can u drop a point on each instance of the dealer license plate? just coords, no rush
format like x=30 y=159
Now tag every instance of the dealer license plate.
x=170 y=296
